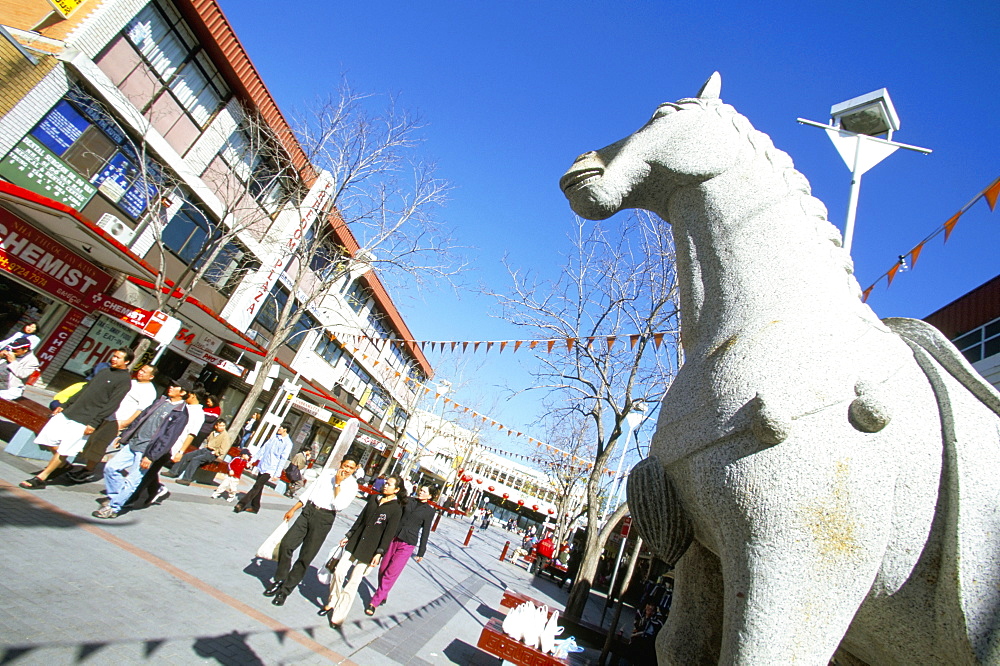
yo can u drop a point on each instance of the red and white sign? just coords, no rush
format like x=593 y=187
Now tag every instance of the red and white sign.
x=34 y=257
x=626 y=525
x=58 y=338
x=131 y=315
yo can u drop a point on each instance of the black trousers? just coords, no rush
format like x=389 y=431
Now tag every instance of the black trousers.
x=309 y=530
x=252 y=498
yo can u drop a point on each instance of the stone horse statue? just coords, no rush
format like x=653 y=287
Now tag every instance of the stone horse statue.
x=825 y=483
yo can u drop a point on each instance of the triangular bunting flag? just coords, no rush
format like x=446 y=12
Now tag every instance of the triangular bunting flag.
x=950 y=225
x=517 y=344
x=611 y=342
x=633 y=339
x=866 y=294
x=914 y=253
x=657 y=339
x=465 y=345
x=533 y=344
x=551 y=343
x=453 y=345
x=991 y=193
x=475 y=346
x=569 y=344
x=892 y=273
x=590 y=342
x=502 y=346
x=426 y=390
x=489 y=345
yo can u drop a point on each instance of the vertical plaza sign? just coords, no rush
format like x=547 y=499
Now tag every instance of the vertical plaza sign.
x=48 y=266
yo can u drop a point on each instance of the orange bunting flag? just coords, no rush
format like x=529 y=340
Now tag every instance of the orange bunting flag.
x=550 y=345
x=489 y=345
x=475 y=346
x=510 y=432
x=426 y=390
x=866 y=294
x=590 y=342
x=447 y=400
x=991 y=194
x=533 y=343
x=611 y=342
x=465 y=345
x=453 y=345
x=517 y=344
x=914 y=253
x=950 y=225
x=502 y=346
x=633 y=339
x=569 y=344
x=892 y=273
x=657 y=339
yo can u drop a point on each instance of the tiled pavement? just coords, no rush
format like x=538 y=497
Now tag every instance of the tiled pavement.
x=178 y=584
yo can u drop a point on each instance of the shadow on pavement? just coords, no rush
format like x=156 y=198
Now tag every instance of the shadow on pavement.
x=15 y=510
x=460 y=652
x=230 y=649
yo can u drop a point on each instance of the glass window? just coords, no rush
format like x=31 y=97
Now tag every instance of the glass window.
x=231 y=263
x=357 y=296
x=273 y=305
x=302 y=327
x=329 y=349
x=187 y=232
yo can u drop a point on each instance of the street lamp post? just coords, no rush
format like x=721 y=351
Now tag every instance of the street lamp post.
x=854 y=129
x=635 y=416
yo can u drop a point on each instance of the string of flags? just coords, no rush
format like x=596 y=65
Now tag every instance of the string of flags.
x=548 y=344
x=585 y=467
x=990 y=194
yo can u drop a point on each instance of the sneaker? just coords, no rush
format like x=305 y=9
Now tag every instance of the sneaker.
x=231 y=498
x=216 y=495
x=161 y=494
x=105 y=512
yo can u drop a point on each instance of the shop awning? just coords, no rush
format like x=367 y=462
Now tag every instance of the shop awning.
x=72 y=229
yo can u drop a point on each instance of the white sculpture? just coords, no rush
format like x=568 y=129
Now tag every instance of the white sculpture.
x=822 y=479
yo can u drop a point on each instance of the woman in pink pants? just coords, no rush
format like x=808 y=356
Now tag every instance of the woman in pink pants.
x=415 y=524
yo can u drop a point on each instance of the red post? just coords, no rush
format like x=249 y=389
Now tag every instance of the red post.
x=503 y=554
x=437 y=519
x=468 y=537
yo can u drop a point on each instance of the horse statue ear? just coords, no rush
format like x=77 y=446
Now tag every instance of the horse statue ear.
x=712 y=88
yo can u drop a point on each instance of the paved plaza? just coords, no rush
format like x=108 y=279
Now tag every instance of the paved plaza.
x=179 y=584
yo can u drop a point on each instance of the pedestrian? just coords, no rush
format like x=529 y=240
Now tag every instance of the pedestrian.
x=270 y=460
x=378 y=483
x=151 y=490
x=414 y=529
x=21 y=365
x=545 y=550
x=148 y=439
x=248 y=429
x=84 y=412
x=211 y=410
x=231 y=484
x=141 y=395
x=329 y=494
x=28 y=330
x=364 y=546
x=299 y=464
x=215 y=449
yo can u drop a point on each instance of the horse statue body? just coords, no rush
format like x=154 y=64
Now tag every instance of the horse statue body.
x=823 y=482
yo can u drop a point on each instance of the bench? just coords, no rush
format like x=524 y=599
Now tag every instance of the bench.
x=25 y=413
x=493 y=640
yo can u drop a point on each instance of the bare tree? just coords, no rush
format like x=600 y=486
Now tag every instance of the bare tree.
x=614 y=303
x=569 y=444
x=378 y=211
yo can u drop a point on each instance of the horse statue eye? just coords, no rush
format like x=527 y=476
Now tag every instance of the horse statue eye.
x=664 y=110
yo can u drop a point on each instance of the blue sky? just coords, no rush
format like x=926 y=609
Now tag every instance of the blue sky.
x=513 y=91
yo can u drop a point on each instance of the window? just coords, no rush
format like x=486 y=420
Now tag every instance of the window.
x=399 y=417
x=173 y=53
x=271 y=309
x=357 y=296
x=229 y=266
x=981 y=342
x=329 y=349
x=379 y=331
x=187 y=233
x=302 y=327
x=263 y=178
x=378 y=401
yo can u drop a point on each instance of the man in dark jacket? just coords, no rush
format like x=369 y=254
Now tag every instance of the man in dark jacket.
x=148 y=438
x=70 y=424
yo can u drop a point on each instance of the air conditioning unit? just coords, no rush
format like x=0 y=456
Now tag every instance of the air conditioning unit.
x=115 y=228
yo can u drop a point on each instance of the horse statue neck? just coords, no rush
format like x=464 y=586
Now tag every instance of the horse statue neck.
x=754 y=247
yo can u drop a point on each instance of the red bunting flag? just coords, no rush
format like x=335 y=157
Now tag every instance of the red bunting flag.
x=991 y=194
x=949 y=226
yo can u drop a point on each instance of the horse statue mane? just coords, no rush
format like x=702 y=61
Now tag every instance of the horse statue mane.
x=822 y=481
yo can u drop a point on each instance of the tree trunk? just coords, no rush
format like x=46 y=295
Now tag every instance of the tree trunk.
x=596 y=538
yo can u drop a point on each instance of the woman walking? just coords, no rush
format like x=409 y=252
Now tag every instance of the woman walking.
x=415 y=525
x=364 y=545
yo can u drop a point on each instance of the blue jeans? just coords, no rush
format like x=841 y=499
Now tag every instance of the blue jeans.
x=122 y=475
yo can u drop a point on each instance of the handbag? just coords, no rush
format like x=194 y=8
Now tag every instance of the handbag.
x=269 y=549
x=338 y=553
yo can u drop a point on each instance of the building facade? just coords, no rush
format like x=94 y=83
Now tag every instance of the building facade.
x=972 y=323
x=134 y=179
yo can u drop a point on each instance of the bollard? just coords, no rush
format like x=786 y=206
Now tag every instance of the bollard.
x=437 y=519
x=468 y=537
x=503 y=555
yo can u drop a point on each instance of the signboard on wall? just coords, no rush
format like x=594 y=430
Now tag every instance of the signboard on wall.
x=48 y=350
x=45 y=264
x=101 y=340
x=33 y=167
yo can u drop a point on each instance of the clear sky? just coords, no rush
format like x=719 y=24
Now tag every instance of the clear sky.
x=513 y=91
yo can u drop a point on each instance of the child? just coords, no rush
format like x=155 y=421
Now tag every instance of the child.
x=232 y=482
